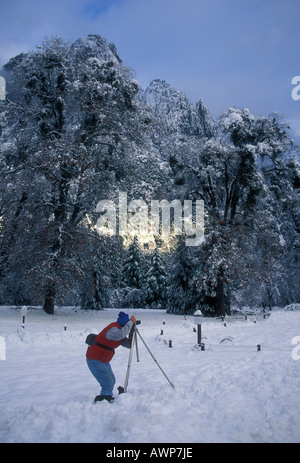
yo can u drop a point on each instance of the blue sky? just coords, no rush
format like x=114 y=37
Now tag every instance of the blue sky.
x=241 y=53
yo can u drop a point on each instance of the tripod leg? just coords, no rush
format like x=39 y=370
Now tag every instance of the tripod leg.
x=136 y=346
x=133 y=339
x=154 y=359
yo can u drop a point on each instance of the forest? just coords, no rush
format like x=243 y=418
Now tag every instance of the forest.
x=76 y=128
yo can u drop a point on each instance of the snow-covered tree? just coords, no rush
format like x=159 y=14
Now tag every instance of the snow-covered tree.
x=232 y=180
x=133 y=268
x=156 y=282
x=102 y=262
x=69 y=129
x=181 y=295
x=75 y=129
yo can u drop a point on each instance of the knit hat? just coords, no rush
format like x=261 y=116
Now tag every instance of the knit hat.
x=123 y=318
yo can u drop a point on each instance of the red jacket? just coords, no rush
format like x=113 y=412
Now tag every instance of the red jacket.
x=100 y=353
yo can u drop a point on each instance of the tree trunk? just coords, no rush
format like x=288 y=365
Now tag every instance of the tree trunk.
x=220 y=306
x=48 y=306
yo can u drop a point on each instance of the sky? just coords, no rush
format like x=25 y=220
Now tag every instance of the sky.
x=242 y=53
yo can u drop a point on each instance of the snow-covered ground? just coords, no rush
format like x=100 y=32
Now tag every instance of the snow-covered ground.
x=230 y=392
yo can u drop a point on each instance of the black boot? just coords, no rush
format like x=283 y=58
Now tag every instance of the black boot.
x=99 y=398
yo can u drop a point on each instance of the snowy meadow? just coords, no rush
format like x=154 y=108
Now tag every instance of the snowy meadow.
x=230 y=392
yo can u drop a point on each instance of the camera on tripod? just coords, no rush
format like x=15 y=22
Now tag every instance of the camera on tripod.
x=138 y=322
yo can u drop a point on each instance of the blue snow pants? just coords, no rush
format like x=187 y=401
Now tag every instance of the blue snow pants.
x=103 y=374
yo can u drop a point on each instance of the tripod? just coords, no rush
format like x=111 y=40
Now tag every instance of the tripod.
x=133 y=337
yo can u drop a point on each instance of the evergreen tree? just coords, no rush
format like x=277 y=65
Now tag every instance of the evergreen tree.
x=156 y=282
x=182 y=299
x=133 y=268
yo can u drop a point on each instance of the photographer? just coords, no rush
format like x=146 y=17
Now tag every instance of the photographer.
x=100 y=354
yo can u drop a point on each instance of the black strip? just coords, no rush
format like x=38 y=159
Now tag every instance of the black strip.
x=105 y=347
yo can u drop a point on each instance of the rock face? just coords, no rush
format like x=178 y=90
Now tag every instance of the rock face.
x=177 y=113
x=95 y=45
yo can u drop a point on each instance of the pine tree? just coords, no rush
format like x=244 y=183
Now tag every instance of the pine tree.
x=156 y=282
x=133 y=268
x=182 y=299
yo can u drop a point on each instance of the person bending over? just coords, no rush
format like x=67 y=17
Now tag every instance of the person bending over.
x=98 y=356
